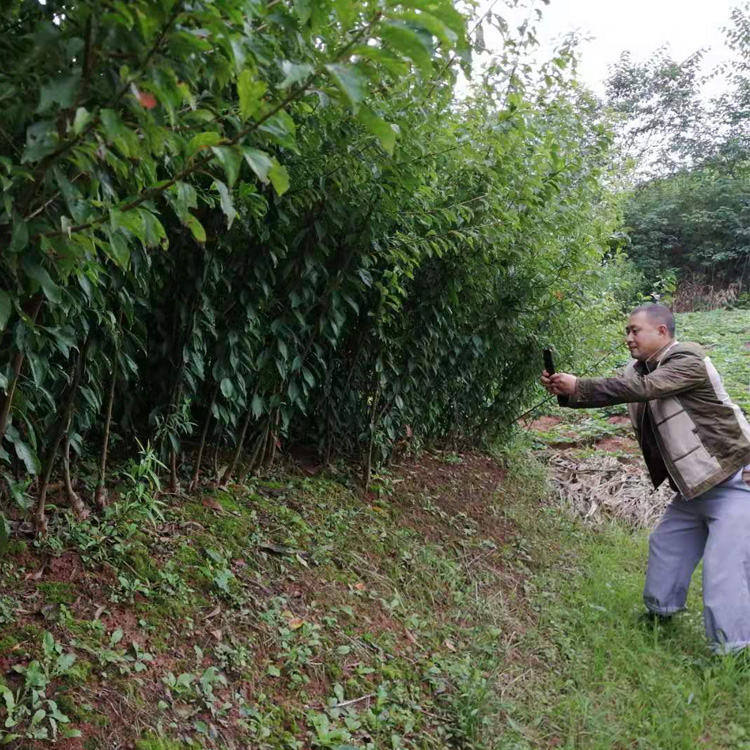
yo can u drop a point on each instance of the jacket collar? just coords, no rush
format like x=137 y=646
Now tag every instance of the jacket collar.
x=653 y=362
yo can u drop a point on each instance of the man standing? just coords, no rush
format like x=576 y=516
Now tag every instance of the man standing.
x=692 y=435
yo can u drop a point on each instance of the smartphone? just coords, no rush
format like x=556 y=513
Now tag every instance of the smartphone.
x=549 y=365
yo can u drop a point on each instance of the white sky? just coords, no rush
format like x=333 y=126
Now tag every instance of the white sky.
x=640 y=26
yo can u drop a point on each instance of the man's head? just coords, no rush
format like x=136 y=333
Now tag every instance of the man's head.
x=650 y=328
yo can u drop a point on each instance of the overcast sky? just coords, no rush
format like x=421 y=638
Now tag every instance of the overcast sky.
x=640 y=26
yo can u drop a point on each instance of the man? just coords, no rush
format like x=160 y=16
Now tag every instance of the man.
x=692 y=435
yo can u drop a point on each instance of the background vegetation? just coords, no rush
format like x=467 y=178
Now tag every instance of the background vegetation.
x=251 y=225
x=686 y=219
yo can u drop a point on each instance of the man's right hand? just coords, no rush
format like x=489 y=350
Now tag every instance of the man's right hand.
x=559 y=384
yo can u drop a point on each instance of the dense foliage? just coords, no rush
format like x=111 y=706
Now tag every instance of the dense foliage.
x=690 y=211
x=255 y=224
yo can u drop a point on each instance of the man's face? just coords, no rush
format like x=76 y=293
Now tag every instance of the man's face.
x=644 y=337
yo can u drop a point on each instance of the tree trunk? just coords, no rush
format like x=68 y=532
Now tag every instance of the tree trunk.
x=257 y=454
x=17 y=365
x=56 y=434
x=100 y=495
x=74 y=500
x=174 y=484
x=202 y=444
x=240 y=446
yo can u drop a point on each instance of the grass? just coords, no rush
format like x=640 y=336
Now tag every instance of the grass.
x=609 y=680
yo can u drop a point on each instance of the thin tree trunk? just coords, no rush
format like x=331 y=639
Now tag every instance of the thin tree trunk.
x=202 y=444
x=100 y=495
x=257 y=453
x=74 y=500
x=17 y=365
x=174 y=484
x=240 y=446
x=40 y=519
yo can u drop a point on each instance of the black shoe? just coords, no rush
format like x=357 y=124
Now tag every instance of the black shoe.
x=654 y=618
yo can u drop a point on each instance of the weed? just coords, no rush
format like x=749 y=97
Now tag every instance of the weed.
x=30 y=713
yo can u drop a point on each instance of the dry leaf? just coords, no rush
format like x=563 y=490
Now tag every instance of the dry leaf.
x=211 y=504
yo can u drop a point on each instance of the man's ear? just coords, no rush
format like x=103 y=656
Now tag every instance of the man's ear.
x=663 y=330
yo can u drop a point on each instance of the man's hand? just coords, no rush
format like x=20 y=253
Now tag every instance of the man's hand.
x=559 y=384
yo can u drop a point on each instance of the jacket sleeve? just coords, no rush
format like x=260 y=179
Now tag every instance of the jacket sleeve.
x=681 y=372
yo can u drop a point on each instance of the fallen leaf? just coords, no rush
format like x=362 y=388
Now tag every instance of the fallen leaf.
x=449 y=645
x=296 y=623
x=211 y=504
x=214 y=613
x=216 y=634
x=359 y=586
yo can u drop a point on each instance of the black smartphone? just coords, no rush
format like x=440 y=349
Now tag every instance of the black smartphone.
x=549 y=365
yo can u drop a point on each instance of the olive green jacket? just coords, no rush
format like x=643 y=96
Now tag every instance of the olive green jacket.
x=689 y=430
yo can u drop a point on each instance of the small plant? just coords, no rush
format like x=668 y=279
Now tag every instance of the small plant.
x=31 y=714
x=7 y=609
x=217 y=571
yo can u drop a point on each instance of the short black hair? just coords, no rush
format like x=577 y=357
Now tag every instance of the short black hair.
x=658 y=314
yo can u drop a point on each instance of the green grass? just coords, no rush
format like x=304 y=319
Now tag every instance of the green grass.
x=608 y=680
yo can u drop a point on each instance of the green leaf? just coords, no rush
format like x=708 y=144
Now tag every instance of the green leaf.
x=378 y=127
x=81 y=120
x=51 y=290
x=6 y=307
x=392 y=63
x=445 y=11
x=346 y=11
x=227 y=206
x=303 y=9
x=227 y=388
x=279 y=178
x=250 y=92
x=130 y=221
x=118 y=249
x=260 y=162
x=182 y=196
x=230 y=158
x=61 y=91
x=294 y=73
x=120 y=135
x=27 y=456
x=202 y=140
x=257 y=406
x=196 y=228
x=409 y=44
x=4 y=536
x=430 y=24
x=19 y=238
x=281 y=129
x=351 y=81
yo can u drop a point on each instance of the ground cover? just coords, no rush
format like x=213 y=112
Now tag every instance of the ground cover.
x=292 y=613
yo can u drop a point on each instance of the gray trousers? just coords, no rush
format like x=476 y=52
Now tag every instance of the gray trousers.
x=716 y=527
